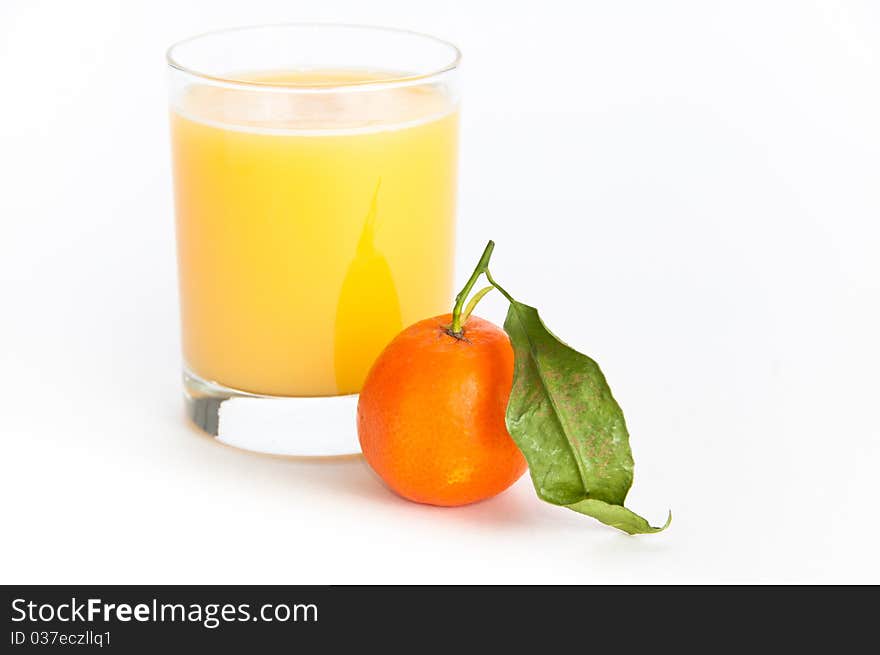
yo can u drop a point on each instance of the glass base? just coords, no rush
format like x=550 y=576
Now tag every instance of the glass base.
x=277 y=425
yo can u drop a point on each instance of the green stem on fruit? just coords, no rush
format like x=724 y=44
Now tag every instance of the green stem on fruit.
x=477 y=297
x=482 y=267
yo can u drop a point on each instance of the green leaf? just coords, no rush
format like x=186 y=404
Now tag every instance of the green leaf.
x=572 y=432
x=617 y=516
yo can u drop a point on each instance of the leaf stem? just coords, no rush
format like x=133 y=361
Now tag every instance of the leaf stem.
x=482 y=267
x=498 y=286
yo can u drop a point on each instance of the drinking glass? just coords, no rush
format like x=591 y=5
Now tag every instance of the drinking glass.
x=315 y=186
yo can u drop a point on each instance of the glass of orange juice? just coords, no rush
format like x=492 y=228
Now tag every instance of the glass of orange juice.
x=315 y=185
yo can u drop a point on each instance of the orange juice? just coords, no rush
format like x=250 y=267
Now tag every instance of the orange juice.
x=311 y=227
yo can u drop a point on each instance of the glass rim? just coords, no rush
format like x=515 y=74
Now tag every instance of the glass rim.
x=394 y=81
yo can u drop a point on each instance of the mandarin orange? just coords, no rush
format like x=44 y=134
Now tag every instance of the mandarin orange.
x=431 y=413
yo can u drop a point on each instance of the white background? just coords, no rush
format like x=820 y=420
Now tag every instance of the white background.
x=687 y=190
